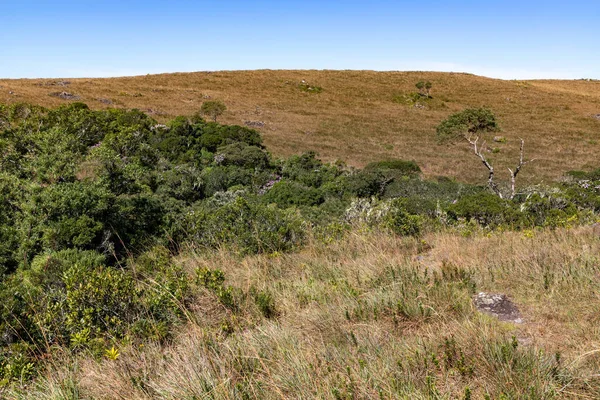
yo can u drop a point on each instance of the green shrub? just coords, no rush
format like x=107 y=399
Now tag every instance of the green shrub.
x=213 y=280
x=400 y=221
x=442 y=190
x=584 y=175
x=212 y=135
x=305 y=87
x=265 y=302
x=242 y=155
x=213 y=109
x=411 y=99
x=583 y=193
x=290 y=193
x=182 y=182
x=469 y=121
x=367 y=183
x=308 y=170
x=487 y=209
x=424 y=88
x=386 y=214
x=99 y=303
x=221 y=178
x=17 y=364
x=166 y=292
x=400 y=167
x=246 y=226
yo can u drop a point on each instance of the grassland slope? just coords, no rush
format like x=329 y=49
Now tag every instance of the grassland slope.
x=361 y=116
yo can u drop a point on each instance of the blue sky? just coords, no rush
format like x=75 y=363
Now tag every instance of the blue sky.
x=502 y=39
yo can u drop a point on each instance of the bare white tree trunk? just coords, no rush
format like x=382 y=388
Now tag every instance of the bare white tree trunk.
x=513 y=174
x=479 y=148
x=479 y=152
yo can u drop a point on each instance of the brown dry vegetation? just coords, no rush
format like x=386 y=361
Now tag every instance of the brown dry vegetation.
x=355 y=117
x=374 y=316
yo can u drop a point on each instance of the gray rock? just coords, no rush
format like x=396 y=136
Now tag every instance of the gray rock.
x=597 y=116
x=499 y=306
x=153 y=111
x=65 y=95
x=254 y=124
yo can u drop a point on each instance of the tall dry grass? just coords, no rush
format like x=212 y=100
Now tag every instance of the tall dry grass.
x=373 y=316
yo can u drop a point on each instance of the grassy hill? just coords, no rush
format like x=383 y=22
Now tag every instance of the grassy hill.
x=362 y=116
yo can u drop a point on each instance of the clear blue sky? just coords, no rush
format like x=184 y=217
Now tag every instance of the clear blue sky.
x=503 y=39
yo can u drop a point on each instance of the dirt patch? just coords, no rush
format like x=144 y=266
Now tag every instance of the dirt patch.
x=499 y=306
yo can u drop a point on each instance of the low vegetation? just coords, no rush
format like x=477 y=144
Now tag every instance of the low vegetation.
x=182 y=260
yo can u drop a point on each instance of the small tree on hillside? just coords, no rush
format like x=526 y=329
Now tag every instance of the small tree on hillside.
x=471 y=125
x=424 y=88
x=213 y=109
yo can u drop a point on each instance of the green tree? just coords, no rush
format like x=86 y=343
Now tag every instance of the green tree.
x=467 y=124
x=213 y=109
x=471 y=125
x=424 y=88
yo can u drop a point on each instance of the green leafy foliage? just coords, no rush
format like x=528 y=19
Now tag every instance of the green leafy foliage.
x=401 y=222
x=246 y=226
x=472 y=121
x=291 y=193
x=486 y=209
x=424 y=88
x=308 y=88
x=213 y=109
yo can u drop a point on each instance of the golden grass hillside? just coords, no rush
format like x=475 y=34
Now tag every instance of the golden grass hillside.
x=361 y=116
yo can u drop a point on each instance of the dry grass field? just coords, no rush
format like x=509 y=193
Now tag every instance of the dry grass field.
x=373 y=316
x=357 y=117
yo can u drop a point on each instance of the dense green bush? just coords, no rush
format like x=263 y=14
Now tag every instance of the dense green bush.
x=290 y=193
x=488 y=209
x=242 y=155
x=400 y=221
x=367 y=183
x=469 y=121
x=212 y=135
x=98 y=302
x=442 y=190
x=246 y=226
x=213 y=109
x=400 y=167
x=388 y=214
x=309 y=170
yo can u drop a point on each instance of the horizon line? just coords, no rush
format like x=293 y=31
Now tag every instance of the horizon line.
x=132 y=74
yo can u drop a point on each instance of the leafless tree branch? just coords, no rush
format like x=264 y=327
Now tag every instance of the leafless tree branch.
x=478 y=149
x=513 y=174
